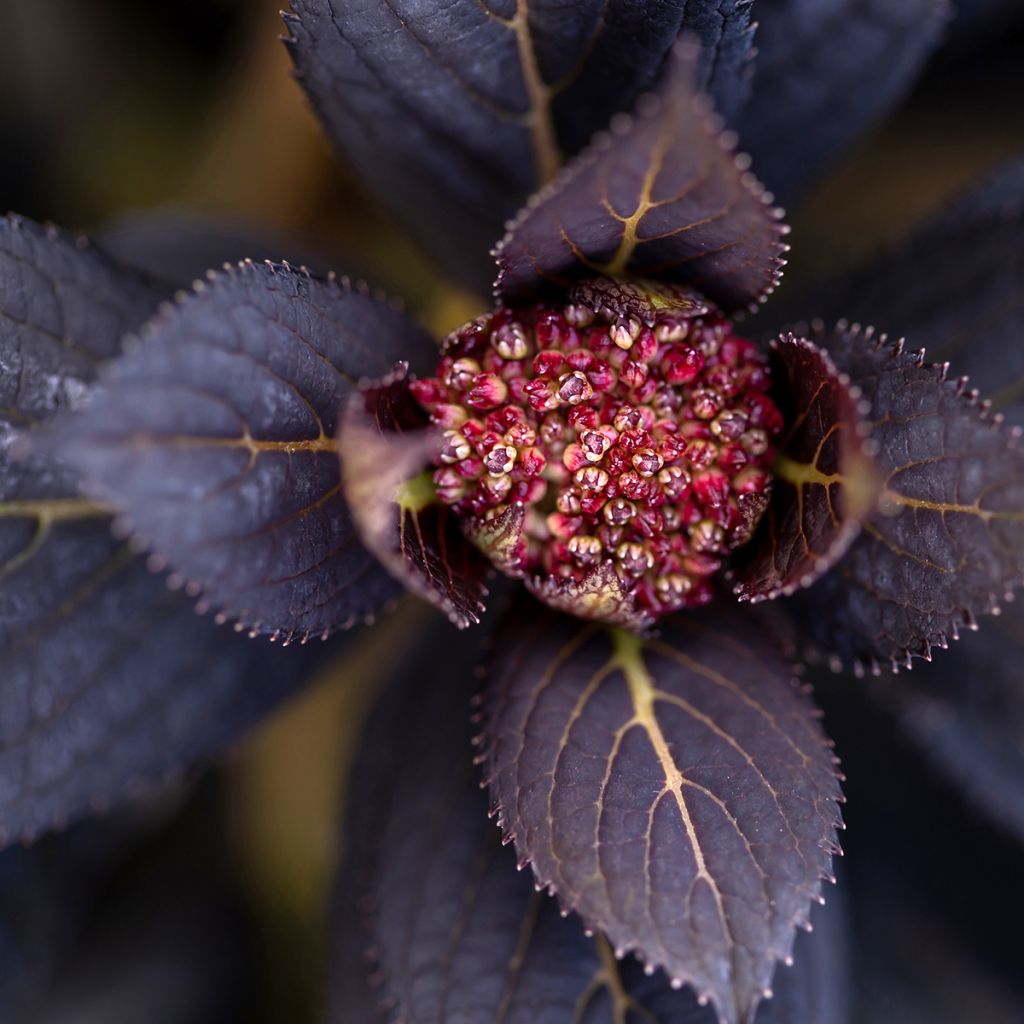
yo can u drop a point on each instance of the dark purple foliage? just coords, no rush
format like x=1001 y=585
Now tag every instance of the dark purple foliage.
x=266 y=443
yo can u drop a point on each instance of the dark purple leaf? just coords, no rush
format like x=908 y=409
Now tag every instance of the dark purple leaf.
x=677 y=793
x=811 y=990
x=447 y=908
x=824 y=74
x=947 y=541
x=215 y=437
x=60 y=295
x=956 y=286
x=387 y=454
x=815 y=989
x=660 y=196
x=458 y=934
x=825 y=481
x=112 y=684
x=110 y=681
x=454 y=113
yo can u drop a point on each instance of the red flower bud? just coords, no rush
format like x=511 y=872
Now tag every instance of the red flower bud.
x=642 y=439
x=487 y=392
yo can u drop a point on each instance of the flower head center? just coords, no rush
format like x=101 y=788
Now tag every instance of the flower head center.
x=643 y=448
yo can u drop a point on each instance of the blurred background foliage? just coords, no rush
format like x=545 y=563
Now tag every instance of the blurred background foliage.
x=126 y=119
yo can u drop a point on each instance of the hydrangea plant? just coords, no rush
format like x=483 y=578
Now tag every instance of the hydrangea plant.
x=291 y=452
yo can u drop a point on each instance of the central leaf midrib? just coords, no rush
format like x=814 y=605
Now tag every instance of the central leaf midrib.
x=628 y=654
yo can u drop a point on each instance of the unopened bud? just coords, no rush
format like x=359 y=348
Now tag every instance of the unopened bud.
x=592 y=478
x=500 y=460
x=509 y=341
x=454 y=447
x=624 y=333
x=574 y=388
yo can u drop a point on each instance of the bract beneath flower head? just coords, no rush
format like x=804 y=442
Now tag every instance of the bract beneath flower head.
x=639 y=452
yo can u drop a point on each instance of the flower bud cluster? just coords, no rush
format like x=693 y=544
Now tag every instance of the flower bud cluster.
x=646 y=447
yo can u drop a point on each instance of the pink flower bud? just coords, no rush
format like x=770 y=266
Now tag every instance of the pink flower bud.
x=488 y=392
x=652 y=445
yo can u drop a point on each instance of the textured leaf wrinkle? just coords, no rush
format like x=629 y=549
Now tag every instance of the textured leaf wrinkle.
x=587 y=736
x=226 y=410
x=825 y=480
x=661 y=195
x=112 y=684
x=946 y=543
x=486 y=99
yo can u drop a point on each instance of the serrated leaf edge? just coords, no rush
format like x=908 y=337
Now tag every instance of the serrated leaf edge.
x=852 y=526
x=995 y=420
x=646 y=108
x=567 y=906
x=122 y=526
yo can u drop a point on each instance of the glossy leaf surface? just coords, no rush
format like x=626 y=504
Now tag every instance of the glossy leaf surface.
x=954 y=286
x=677 y=793
x=661 y=196
x=825 y=74
x=387 y=454
x=947 y=541
x=824 y=481
x=215 y=438
x=110 y=682
x=459 y=934
x=965 y=709
x=454 y=113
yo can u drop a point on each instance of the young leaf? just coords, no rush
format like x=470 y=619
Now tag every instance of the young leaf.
x=458 y=934
x=660 y=196
x=215 y=437
x=825 y=73
x=947 y=541
x=955 y=285
x=643 y=300
x=677 y=793
x=112 y=684
x=825 y=481
x=110 y=681
x=387 y=454
x=454 y=113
